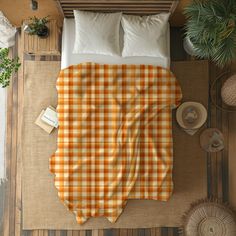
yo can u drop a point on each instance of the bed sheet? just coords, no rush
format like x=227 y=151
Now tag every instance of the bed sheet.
x=68 y=58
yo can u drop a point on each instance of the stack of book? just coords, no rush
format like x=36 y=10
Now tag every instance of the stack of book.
x=47 y=120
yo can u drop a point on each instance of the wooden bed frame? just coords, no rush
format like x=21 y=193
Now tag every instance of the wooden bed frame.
x=138 y=7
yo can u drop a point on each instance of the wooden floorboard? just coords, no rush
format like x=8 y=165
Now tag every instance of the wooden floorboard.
x=18 y=202
x=12 y=226
x=218 y=162
x=8 y=158
x=14 y=151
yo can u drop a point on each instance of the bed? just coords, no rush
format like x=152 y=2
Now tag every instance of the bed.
x=115 y=122
x=141 y=7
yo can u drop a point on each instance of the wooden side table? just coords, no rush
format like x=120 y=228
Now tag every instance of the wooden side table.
x=49 y=46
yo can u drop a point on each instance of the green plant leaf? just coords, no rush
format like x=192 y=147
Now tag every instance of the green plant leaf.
x=7 y=67
x=211 y=26
x=36 y=24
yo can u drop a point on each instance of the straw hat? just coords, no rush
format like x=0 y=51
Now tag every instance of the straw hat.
x=191 y=115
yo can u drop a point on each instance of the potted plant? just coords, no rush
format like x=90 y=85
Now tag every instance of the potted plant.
x=7 y=67
x=37 y=26
x=211 y=29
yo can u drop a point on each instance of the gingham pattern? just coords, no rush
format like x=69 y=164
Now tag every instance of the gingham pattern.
x=114 y=138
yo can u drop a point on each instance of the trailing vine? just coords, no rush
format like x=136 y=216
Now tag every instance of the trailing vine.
x=8 y=66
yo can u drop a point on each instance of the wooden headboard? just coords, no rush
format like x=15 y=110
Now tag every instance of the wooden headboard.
x=138 y=7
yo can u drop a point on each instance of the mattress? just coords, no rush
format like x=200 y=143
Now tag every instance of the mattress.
x=68 y=58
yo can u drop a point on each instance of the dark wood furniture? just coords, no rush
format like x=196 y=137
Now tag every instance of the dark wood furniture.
x=140 y=7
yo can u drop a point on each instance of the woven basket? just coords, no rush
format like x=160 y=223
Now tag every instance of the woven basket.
x=228 y=91
x=209 y=218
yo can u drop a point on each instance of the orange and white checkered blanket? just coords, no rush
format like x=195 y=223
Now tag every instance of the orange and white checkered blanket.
x=114 y=138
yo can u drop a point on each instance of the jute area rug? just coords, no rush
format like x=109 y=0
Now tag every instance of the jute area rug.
x=42 y=208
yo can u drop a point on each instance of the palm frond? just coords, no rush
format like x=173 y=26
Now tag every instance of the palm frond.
x=211 y=26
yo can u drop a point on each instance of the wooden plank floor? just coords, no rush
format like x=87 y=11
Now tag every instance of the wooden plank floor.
x=12 y=222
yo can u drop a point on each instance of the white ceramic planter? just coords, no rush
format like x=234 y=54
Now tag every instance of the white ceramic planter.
x=188 y=47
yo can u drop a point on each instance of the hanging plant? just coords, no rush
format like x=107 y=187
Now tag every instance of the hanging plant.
x=7 y=67
x=211 y=28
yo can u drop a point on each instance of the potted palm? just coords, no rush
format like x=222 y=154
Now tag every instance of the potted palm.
x=7 y=67
x=211 y=30
x=37 y=26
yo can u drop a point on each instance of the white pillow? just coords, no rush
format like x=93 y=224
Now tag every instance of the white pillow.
x=97 y=33
x=145 y=36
